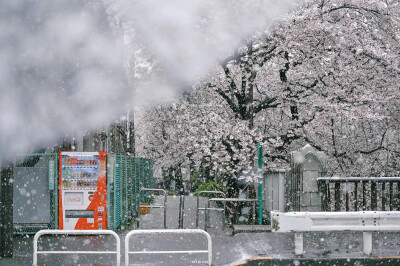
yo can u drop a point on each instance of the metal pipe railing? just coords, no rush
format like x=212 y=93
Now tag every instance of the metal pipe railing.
x=237 y=200
x=154 y=207
x=198 y=203
x=208 y=251
x=117 y=252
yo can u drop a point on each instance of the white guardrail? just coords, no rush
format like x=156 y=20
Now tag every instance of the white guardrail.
x=164 y=206
x=169 y=231
x=117 y=252
x=363 y=221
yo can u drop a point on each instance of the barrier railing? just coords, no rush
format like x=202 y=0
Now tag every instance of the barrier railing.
x=237 y=200
x=360 y=193
x=156 y=206
x=208 y=207
x=117 y=252
x=173 y=232
x=366 y=222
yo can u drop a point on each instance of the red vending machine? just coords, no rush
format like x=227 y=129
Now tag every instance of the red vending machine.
x=82 y=190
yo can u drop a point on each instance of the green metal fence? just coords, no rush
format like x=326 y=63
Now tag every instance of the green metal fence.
x=125 y=176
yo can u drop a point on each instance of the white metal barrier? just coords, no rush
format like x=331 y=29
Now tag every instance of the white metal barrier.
x=169 y=231
x=366 y=222
x=164 y=206
x=117 y=252
x=224 y=200
x=208 y=208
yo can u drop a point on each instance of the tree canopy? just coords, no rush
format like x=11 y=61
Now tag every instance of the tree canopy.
x=327 y=75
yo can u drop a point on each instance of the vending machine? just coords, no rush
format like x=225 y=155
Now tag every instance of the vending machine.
x=82 y=190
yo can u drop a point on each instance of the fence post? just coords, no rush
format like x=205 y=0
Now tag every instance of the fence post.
x=398 y=196
x=181 y=210
x=364 y=192
x=390 y=196
x=337 y=196
x=165 y=211
x=383 y=196
x=374 y=200
x=346 y=186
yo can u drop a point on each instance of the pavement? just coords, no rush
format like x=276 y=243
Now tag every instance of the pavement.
x=227 y=249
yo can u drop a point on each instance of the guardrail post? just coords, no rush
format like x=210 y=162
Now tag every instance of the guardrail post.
x=367 y=241
x=298 y=243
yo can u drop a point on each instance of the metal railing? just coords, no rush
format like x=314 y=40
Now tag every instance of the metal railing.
x=366 y=222
x=76 y=232
x=169 y=231
x=238 y=200
x=154 y=207
x=359 y=193
x=208 y=207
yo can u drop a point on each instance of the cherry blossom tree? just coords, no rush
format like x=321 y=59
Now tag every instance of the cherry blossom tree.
x=326 y=75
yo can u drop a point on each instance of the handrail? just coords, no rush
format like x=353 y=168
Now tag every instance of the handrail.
x=76 y=232
x=154 y=207
x=239 y=200
x=198 y=203
x=169 y=231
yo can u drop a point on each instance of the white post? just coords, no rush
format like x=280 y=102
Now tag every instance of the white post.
x=298 y=243
x=367 y=240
